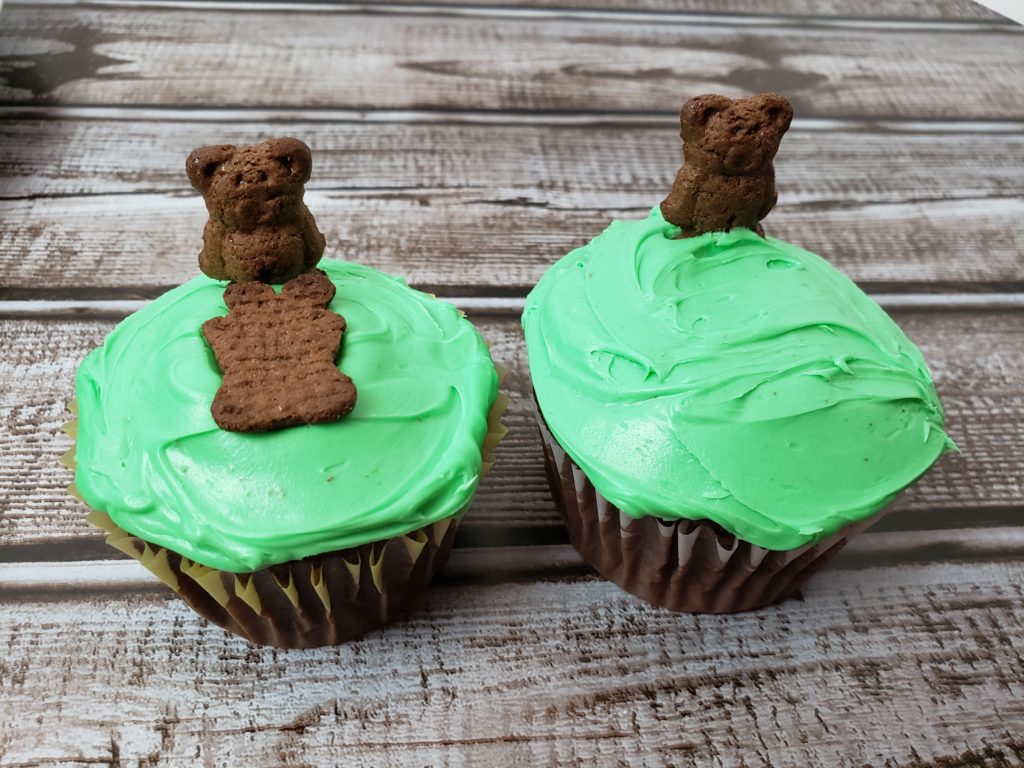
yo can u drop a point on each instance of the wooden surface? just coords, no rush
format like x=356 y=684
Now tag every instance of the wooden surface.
x=466 y=145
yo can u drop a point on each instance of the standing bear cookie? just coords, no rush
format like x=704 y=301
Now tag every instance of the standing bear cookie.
x=727 y=179
x=259 y=228
x=277 y=351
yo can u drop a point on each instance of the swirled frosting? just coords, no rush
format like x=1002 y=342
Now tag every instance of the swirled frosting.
x=150 y=455
x=731 y=378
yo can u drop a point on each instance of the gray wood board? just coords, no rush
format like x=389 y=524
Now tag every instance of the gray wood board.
x=100 y=207
x=910 y=11
x=915 y=665
x=346 y=57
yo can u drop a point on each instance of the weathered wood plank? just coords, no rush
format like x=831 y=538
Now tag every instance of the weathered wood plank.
x=489 y=241
x=99 y=205
x=566 y=672
x=355 y=59
x=976 y=357
x=905 y=10
x=910 y=10
x=56 y=152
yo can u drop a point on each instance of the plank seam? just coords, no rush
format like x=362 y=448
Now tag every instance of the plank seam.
x=482 y=536
x=77 y=310
x=950 y=547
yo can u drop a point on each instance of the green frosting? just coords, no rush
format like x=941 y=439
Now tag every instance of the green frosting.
x=731 y=378
x=150 y=455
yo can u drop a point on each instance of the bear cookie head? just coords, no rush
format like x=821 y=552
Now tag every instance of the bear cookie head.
x=727 y=179
x=734 y=137
x=259 y=227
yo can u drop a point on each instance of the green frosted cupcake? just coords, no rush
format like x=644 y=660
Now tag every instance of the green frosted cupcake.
x=721 y=411
x=300 y=536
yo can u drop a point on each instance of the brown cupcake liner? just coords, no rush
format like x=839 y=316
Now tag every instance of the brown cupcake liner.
x=683 y=565
x=321 y=600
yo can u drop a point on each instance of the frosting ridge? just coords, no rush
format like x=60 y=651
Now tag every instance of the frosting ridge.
x=150 y=455
x=728 y=377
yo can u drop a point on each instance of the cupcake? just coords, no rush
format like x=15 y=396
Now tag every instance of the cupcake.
x=721 y=411
x=287 y=441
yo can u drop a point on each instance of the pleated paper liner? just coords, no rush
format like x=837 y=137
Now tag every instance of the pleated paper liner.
x=682 y=565
x=321 y=600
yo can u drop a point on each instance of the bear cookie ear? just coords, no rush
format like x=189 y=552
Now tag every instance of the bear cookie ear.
x=696 y=112
x=777 y=111
x=293 y=156
x=204 y=162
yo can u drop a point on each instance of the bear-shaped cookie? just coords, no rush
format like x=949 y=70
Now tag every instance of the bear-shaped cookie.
x=278 y=355
x=259 y=228
x=727 y=179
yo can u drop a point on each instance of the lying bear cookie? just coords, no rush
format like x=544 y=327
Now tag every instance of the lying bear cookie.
x=277 y=353
x=259 y=228
x=727 y=179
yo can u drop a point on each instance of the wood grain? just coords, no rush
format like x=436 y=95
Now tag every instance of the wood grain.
x=343 y=58
x=976 y=357
x=466 y=145
x=454 y=242
x=101 y=207
x=910 y=10
x=53 y=152
x=744 y=11
x=565 y=672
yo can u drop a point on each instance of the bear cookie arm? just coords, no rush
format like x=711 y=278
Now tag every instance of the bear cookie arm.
x=727 y=179
x=278 y=354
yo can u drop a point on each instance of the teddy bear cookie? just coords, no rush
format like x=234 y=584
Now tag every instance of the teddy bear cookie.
x=727 y=179
x=259 y=228
x=278 y=353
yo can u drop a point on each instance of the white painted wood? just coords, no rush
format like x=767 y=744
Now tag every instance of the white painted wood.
x=101 y=151
x=916 y=664
x=123 y=574
x=225 y=117
x=104 y=203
